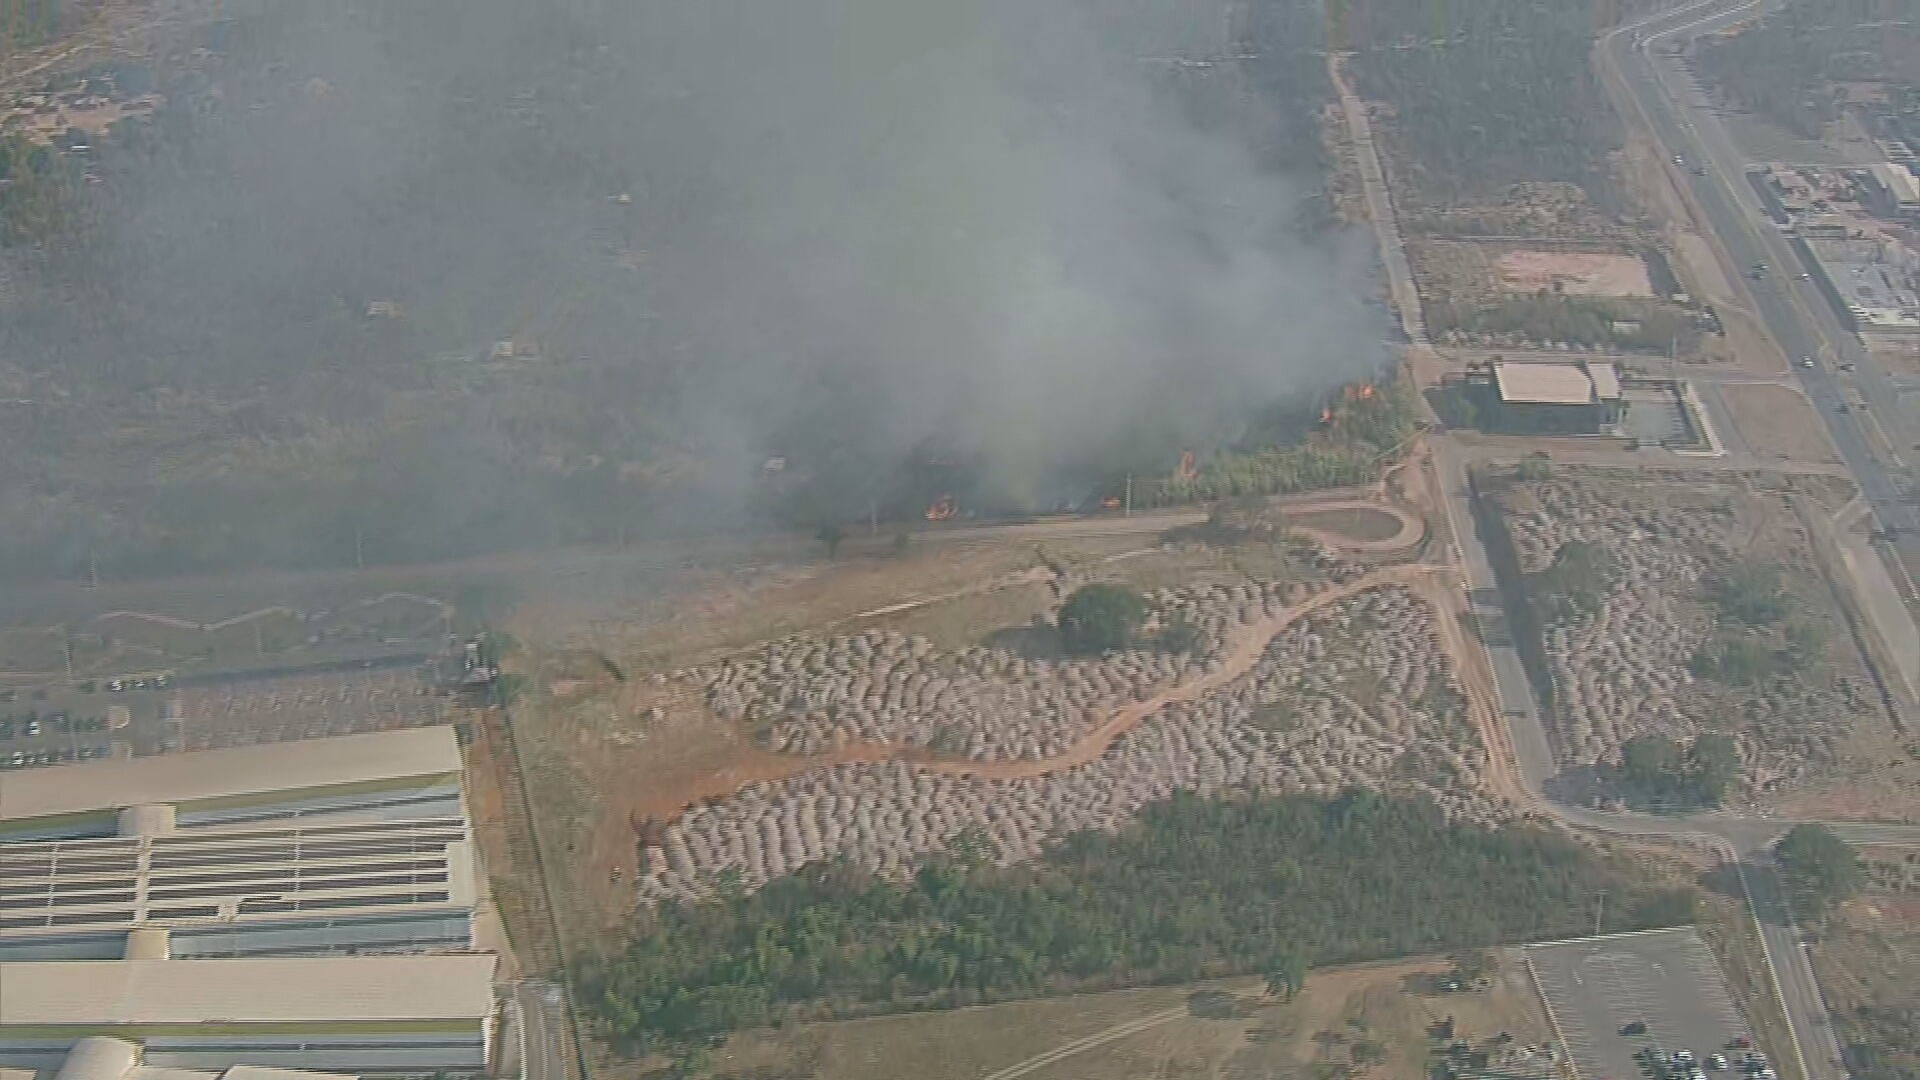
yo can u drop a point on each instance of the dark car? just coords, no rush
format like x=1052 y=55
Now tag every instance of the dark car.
x=1638 y=1027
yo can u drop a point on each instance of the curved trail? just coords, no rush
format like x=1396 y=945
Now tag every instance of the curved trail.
x=1412 y=528
x=1245 y=650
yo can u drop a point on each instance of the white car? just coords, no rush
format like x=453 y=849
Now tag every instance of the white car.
x=1806 y=362
x=1717 y=1062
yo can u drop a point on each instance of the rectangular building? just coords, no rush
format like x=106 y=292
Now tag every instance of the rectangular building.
x=399 y=774
x=1549 y=398
x=354 y=1014
x=293 y=906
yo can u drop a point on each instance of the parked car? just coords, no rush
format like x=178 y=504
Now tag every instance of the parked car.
x=1716 y=1062
x=1637 y=1027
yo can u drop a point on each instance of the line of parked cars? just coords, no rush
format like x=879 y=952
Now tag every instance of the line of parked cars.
x=1683 y=1064
x=21 y=759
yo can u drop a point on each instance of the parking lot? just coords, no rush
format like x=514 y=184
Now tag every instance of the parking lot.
x=1667 y=980
x=301 y=707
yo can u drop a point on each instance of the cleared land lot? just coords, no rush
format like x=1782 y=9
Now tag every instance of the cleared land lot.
x=1778 y=421
x=1665 y=979
x=1574 y=273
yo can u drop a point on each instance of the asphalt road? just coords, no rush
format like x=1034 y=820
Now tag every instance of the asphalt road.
x=1876 y=444
x=541 y=1010
x=1668 y=981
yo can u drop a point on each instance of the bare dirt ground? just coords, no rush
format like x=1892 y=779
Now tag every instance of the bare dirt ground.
x=1159 y=1033
x=1899 y=356
x=1574 y=273
x=1778 y=421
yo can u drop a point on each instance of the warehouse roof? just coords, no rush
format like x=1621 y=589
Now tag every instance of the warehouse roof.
x=247 y=990
x=1897 y=181
x=1606 y=380
x=1543 y=384
x=99 y=1057
x=240 y=771
x=214 y=877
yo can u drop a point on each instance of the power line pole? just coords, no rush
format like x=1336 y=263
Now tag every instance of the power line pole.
x=1127 y=510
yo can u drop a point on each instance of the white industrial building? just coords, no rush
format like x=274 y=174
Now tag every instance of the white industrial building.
x=293 y=906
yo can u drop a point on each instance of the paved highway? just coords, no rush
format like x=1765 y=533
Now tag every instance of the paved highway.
x=1876 y=443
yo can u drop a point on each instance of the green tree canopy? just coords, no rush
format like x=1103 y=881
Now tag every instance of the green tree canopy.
x=1819 y=868
x=1101 y=617
x=1714 y=762
x=1580 y=577
x=1751 y=593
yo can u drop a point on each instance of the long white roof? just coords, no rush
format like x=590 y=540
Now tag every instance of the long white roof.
x=240 y=771
x=221 y=878
x=247 y=990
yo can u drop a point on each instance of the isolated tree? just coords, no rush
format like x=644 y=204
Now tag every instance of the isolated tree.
x=830 y=535
x=1819 y=867
x=1714 y=764
x=1580 y=576
x=1286 y=973
x=1534 y=468
x=1367 y=1053
x=1101 y=617
x=1651 y=763
x=1751 y=593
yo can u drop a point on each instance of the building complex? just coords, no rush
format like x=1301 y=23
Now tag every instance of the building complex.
x=241 y=913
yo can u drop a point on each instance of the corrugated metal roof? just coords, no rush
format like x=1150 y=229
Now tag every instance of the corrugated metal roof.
x=242 y=770
x=194 y=878
x=1898 y=181
x=1606 y=379
x=1543 y=384
x=248 y=989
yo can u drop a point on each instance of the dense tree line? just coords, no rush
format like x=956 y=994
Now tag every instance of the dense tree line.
x=25 y=24
x=1357 y=432
x=1485 y=93
x=1196 y=888
x=1657 y=769
x=1636 y=325
x=1785 y=67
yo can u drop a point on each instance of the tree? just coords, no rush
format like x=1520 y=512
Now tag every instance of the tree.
x=1751 y=593
x=1650 y=763
x=1580 y=577
x=1101 y=617
x=1286 y=973
x=830 y=535
x=1819 y=868
x=1713 y=764
x=1366 y=1053
x=1534 y=468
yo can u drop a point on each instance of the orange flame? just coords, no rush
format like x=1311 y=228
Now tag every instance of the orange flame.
x=943 y=508
x=1111 y=502
x=1188 y=470
x=1366 y=391
x=1326 y=414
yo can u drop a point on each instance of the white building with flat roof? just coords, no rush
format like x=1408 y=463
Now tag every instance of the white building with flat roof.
x=244 y=914
x=353 y=1014
x=398 y=773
